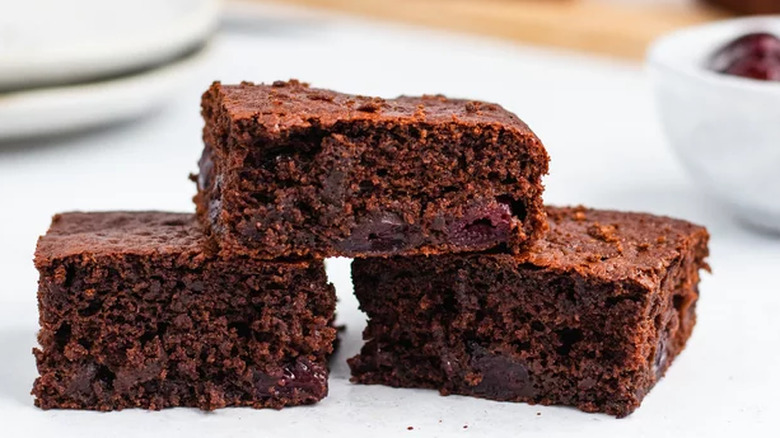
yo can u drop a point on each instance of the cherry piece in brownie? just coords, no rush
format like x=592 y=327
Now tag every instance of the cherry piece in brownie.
x=591 y=317
x=289 y=171
x=136 y=311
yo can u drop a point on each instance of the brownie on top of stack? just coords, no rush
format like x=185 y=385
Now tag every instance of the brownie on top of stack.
x=467 y=287
x=290 y=170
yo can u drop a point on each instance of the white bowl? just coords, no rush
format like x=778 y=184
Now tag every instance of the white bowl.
x=726 y=129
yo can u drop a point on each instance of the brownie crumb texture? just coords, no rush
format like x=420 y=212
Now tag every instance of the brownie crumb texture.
x=592 y=316
x=294 y=171
x=136 y=312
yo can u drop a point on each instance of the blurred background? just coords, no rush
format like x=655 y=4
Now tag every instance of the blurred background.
x=79 y=64
x=84 y=63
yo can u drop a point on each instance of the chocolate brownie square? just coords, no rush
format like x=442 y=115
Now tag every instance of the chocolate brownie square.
x=137 y=311
x=591 y=317
x=291 y=171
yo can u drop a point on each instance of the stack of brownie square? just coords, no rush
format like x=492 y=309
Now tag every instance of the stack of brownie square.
x=470 y=284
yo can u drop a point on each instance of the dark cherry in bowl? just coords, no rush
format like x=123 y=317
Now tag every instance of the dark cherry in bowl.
x=754 y=56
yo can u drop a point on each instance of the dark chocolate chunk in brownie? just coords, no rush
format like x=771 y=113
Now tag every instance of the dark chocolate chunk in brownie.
x=590 y=317
x=289 y=170
x=136 y=311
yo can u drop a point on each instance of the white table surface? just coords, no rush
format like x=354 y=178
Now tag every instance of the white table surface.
x=597 y=120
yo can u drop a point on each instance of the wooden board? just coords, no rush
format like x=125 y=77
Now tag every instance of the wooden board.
x=608 y=28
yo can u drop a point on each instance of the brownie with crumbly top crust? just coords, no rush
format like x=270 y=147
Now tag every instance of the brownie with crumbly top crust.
x=591 y=316
x=291 y=171
x=137 y=311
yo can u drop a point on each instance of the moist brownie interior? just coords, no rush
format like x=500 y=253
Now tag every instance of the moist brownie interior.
x=290 y=170
x=136 y=311
x=591 y=317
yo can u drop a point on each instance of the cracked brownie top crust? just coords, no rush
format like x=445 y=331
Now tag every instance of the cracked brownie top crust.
x=283 y=107
x=614 y=245
x=107 y=233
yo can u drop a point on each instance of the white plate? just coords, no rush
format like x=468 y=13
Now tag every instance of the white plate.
x=55 y=110
x=54 y=41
